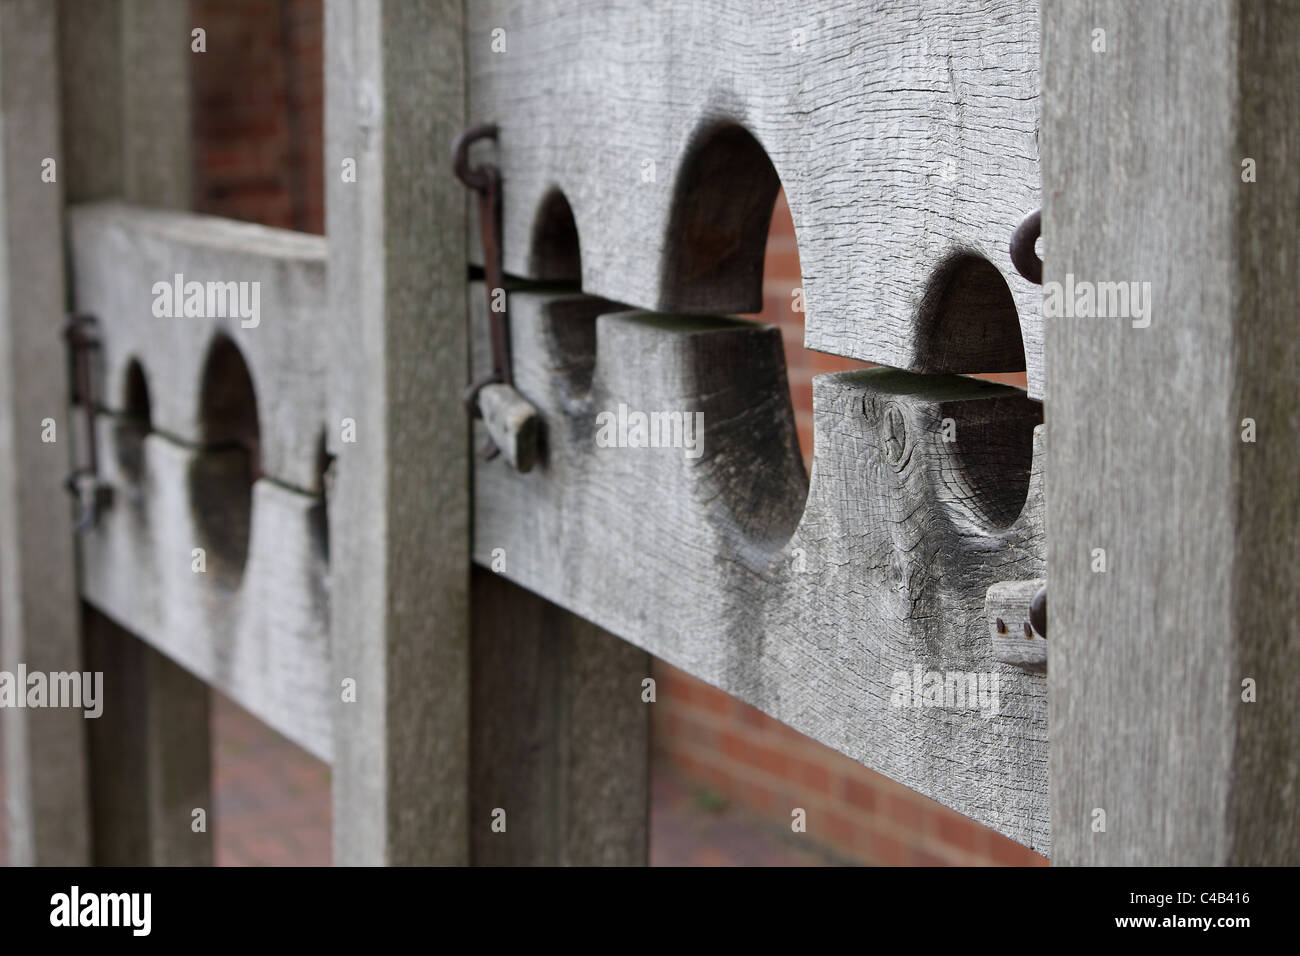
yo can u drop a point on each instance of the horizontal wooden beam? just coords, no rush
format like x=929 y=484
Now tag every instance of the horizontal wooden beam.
x=254 y=626
x=905 y=135
x=125 y=263
x=807 y=602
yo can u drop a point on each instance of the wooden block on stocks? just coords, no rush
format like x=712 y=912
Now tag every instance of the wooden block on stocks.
x=268 y=286
x=512 y=424
x=254 y=622
x=807 y=601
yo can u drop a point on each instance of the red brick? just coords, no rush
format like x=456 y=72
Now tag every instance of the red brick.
x=714 y=701
x=923 y=857
x=734 y=745
x=1006 y=852
x=958 y=831
x=907 y=811
x=768 y=759
x=885 y=849
x=861 y=795
x=811 y=775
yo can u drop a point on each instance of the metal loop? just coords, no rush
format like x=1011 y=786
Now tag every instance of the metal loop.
x=1023 y=256
x=471 y=393
x=476 y=178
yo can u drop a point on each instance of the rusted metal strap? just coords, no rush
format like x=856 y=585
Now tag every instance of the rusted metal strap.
x=512 y=423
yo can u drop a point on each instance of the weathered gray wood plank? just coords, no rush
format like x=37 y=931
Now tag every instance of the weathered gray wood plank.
x=399 y=522
x=805 y=602
x=45 y=750
x=256 y=628
x=1143 y=150
x=119 y=252
x=905 y=134
x=561 y=735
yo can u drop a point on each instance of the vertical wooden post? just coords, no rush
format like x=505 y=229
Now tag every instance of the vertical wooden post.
x=399 y=514
x=45 y=750
x=561 y=736
x=1171 y=140
x=150 y=752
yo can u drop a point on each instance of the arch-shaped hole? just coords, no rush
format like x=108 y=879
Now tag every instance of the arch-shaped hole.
x=554 y=253
x=134 y=423
x=993 y=454
x=968 y=321
x=782 y=307
x=994 y=448
x=969 y=325
x=717 y=232
x=222 y=475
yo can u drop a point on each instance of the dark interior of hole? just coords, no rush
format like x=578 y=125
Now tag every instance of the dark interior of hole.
x=994 y=452
x=221 y=478
x=717 y=234
x=228 y=404
x=968 y=321
x=319 y=517
x=133 y=423
x=555 y=254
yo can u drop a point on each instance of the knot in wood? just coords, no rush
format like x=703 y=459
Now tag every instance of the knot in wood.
x=893 y=432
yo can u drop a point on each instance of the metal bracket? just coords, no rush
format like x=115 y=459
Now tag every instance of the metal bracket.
x=1016 y=612
x=83 y=482
x=512 y=421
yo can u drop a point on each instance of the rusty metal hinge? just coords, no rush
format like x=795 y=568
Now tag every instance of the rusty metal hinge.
x=83 y=481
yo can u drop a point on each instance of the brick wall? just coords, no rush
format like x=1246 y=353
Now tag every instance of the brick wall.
x=258 y=102
x=259 y=157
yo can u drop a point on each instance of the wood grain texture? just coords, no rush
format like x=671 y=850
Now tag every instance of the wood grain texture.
x=905 y=134
x=120 y=251
x=45 y=750
x=257 y=630
x=561 y=736
x=805 y=602
x=1006 y=609
x=395 y=98
x=1143 y=150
